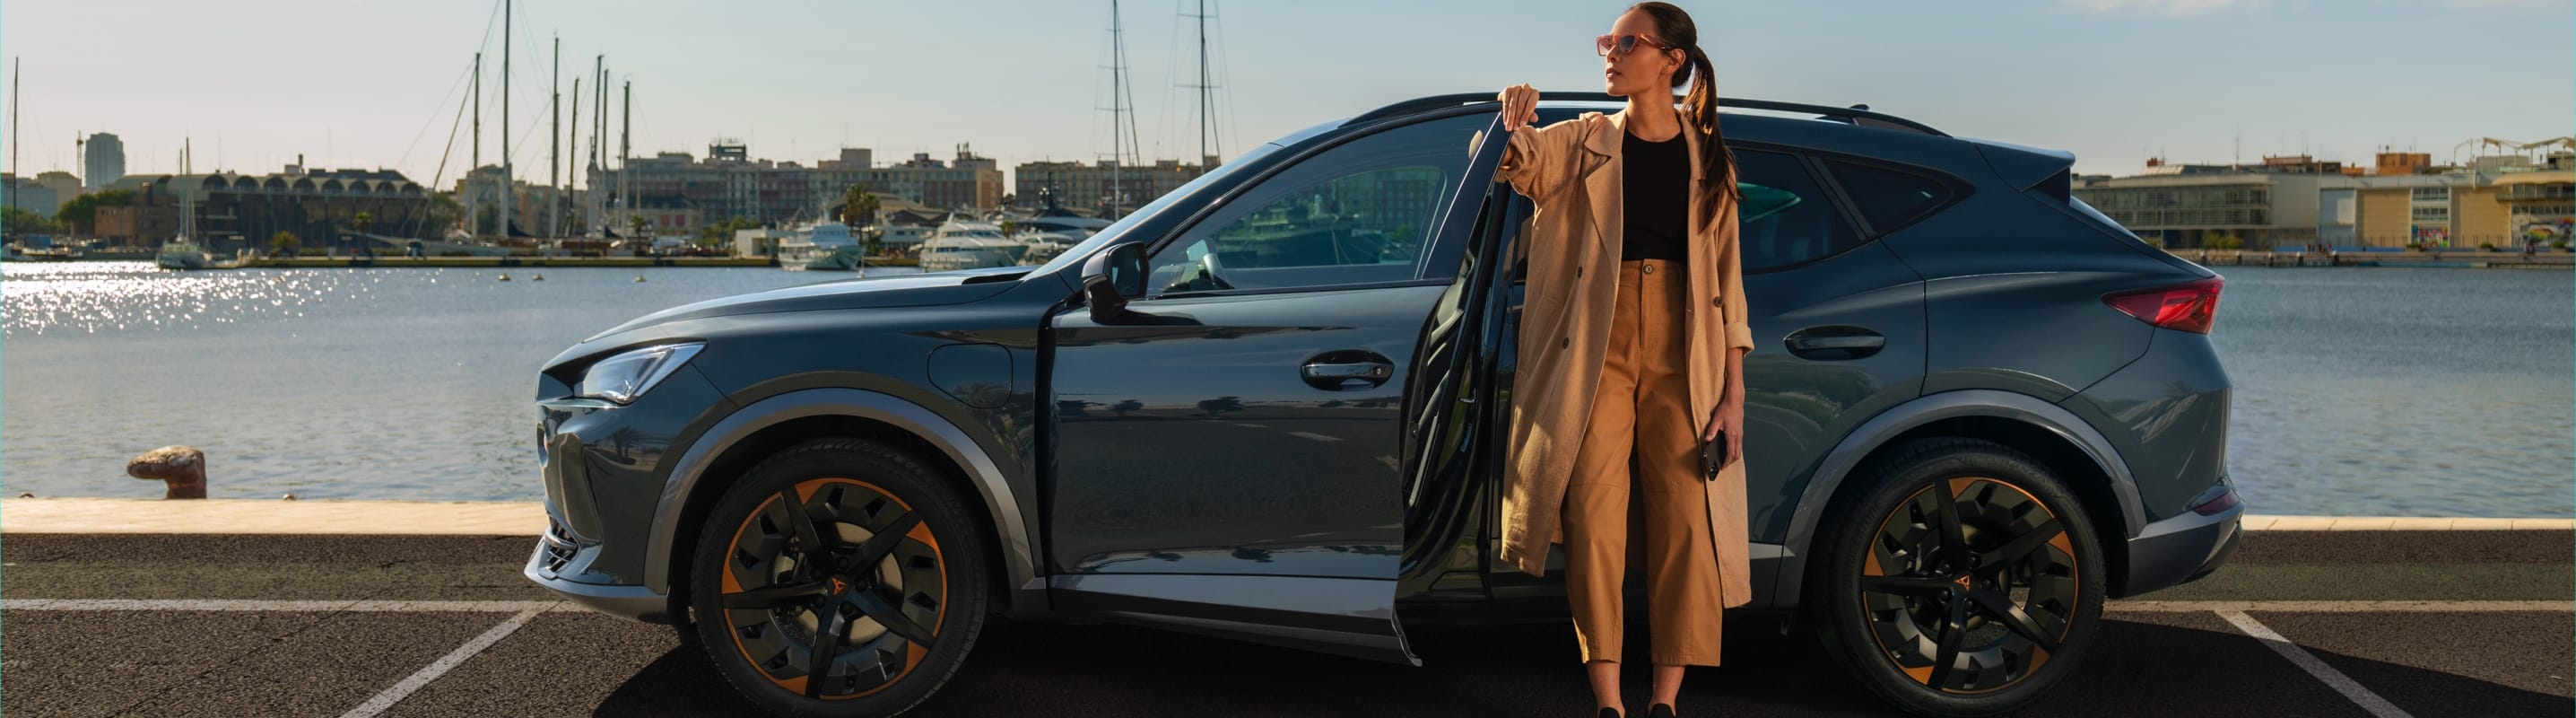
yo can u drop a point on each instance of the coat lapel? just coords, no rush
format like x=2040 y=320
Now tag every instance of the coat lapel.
x=1601 y=181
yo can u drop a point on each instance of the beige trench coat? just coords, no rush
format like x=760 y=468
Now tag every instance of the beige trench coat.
x=1571 y=171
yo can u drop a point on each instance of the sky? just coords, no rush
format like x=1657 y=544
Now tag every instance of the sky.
x=379 y=83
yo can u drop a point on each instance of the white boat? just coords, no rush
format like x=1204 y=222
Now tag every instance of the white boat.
x=1044 y=246
x=823 y=247
x=965 y=244
x=185 y=255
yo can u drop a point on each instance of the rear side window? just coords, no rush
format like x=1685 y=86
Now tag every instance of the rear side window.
x=1785 y=218
x=1889 y=199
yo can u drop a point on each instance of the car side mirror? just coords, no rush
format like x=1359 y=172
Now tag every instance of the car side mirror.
x=1112 y=276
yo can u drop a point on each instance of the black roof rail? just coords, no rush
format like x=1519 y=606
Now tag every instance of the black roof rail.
x=1858 y=115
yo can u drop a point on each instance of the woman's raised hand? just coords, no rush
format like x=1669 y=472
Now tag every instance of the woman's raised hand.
x=1520 y=106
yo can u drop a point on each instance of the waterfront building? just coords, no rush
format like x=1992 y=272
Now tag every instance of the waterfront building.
x=2295 y=202
x=729 y=184
x=104 y=160
x=31 y=195
x=1103 y=187
x=235 y=211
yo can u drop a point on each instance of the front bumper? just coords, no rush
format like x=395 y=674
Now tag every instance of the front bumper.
x=2182 y=549
x=603 y=467
x=638 y=603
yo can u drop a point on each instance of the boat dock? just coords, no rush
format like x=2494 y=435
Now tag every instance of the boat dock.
x=532 y=261
x=2429 y=258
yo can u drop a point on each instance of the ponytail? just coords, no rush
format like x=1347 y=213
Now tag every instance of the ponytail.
x=1716 y=159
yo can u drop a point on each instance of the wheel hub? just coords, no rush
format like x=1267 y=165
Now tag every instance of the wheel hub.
x=1984 y=586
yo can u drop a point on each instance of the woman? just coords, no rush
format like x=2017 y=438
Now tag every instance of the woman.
x=1634 y=234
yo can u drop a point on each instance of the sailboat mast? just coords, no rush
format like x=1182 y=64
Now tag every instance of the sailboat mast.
x=1203 y=83
x=554 y=148
x=509 y=199
x=626 y=118
x=15 y=128
x=575 y=172
x=473 y=177
x=1117 y=110
x=598 y=147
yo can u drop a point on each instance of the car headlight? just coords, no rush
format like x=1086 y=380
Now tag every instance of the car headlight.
x=629 y=374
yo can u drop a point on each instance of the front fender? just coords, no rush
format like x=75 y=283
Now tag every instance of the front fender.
x=1010 y=526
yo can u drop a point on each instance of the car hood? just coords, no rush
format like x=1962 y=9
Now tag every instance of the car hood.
x=902 y=290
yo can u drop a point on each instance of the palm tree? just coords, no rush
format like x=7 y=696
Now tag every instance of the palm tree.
x=359 y=224
x=859 y=209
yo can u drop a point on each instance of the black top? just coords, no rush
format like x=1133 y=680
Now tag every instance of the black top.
x=1657 y=181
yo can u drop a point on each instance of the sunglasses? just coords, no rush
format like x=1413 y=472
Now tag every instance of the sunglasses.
x=1624 y=42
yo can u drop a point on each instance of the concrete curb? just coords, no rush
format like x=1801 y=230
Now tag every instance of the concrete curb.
x=528 y=518
x=246 y=516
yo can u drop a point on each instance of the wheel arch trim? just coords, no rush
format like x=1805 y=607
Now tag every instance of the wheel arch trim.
x=1874 y=434
x=1009 y=525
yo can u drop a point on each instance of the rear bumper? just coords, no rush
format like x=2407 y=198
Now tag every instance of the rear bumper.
x=2182 y=549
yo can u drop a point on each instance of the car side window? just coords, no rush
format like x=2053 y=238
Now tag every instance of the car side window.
x=1785 y=217
x=1358 y=213
x=1888 y=198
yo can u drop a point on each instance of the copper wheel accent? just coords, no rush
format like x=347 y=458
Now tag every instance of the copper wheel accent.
x=1969 y=585
x=837 y=579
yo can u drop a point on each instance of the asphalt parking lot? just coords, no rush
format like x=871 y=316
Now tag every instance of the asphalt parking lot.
x=2306 y=623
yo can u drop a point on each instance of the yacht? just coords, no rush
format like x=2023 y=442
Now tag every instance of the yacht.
x=184 y=254
x=1044 y=246
x=966 y=244
x=830 y=247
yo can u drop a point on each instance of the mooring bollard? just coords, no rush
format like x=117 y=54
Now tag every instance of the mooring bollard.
x=183 y=468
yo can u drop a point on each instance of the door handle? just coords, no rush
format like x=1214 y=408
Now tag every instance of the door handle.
x=1836 y=343
x=1334 y=371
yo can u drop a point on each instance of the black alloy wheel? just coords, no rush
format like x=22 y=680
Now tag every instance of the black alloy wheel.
x=839 y=578
x=1963 y=581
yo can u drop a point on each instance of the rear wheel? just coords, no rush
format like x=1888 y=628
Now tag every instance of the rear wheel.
x=841 y=577
x=1963 y=580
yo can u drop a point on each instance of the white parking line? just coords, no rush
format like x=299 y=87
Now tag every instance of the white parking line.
x=439 y=667
x=2341 y=683
x=1252 y=426
x=293 y=606
x=124 y=604
x=2340 y=606
x=1315 y=436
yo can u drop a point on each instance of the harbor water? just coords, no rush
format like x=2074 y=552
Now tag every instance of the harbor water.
x=2359 y=391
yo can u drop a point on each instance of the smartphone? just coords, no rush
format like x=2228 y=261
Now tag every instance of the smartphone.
x=1712 y=454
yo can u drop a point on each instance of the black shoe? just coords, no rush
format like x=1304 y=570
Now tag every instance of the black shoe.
x=1660 y=710
x=1610 y=713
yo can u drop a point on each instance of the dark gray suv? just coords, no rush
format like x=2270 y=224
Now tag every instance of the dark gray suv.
x=1270 y=404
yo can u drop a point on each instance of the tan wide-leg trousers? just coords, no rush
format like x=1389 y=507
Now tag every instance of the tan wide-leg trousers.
x=1641 y=412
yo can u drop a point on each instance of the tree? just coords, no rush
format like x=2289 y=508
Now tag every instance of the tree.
x=285 y=243
x=640 y=224
x=81 y=213
x=859 y=206
x=20 y=222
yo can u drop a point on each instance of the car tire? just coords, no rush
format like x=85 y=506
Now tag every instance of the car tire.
x=2013 y=611
x=768 y=591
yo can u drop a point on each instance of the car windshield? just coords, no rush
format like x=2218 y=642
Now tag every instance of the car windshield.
x=1109 y=234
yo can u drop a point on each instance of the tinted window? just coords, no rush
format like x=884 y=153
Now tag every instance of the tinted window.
x=1889 y=199
x=1785 y=218
x=1358 y=213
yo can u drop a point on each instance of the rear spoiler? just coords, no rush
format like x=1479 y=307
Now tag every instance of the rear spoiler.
x=2025 y=168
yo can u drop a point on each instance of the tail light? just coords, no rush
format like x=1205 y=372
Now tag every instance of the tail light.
x=2189 y=306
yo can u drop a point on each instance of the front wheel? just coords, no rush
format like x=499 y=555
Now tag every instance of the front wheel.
x=1963 y=579
x=839 y=578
